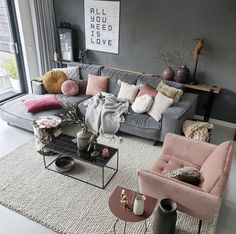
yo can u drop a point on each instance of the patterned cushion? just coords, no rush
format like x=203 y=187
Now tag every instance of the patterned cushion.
x=161 y=103
x=52 y=81
x=146 y=89
x=70 y=88
x=96 y=84
x=127 y=91
x=169 y=91
x=189 y=175
x=142 y=104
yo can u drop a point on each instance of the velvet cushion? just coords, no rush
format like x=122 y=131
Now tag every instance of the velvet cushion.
x=52 y=81
x=142 y=104
x=70 y=88
x=82 y=86
x=169 y=91
x=189 y=175
x=147 y=89
x=43 y=103
x=161 y=103
x=127 y=91
x=96 y=84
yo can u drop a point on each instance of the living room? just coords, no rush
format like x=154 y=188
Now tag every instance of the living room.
x=71 y=55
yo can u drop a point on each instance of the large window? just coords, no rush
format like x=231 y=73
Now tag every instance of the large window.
x=12 y=72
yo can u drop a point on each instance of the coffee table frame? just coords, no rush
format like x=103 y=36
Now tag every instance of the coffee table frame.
x=52 y=146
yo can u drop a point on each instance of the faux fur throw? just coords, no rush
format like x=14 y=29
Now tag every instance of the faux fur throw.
x=196 y=130
x=104 y=113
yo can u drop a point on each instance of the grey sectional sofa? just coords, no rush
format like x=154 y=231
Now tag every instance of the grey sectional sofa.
x=141 y=125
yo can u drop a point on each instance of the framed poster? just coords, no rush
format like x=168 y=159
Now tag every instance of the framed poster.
x=102 y=25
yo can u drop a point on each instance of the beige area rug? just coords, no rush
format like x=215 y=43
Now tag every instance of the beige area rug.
x=68 y=206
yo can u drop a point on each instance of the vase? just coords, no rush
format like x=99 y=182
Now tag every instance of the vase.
x=168 y=74
x=138 y=207
x=165 y=217
x=82 y=138
x=182 y=74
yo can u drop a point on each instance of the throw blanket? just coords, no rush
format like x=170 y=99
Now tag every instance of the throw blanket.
x=105 y=113
x=197 y=130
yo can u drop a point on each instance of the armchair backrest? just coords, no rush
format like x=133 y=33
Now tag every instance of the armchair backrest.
x=192 y=151
x=215 y=169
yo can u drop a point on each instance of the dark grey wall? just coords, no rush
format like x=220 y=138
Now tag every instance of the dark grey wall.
x=148 y=26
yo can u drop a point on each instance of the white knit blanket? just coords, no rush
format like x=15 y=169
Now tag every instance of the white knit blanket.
x=104 y=113
x=197 y=130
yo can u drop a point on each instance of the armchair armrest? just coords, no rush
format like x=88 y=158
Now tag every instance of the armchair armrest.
x=175 y=115
x=191 y=200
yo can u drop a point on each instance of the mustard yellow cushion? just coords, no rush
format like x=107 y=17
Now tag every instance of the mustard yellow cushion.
x=52 y=80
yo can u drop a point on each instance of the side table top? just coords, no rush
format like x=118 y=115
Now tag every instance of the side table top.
x=203 y=87
x=127 y=215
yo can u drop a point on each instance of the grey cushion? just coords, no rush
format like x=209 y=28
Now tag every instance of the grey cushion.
x=72 y=100
x=14 y=112
x=115 y=75
x=86 y=69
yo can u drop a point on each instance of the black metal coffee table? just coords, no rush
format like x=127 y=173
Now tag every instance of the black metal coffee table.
x=64 y=145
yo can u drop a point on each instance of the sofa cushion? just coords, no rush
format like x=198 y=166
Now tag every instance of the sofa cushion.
x=169 y=91
x=127 y=91
x=82 y=86
x=52 y=81
x=71 y=100
x=142 y=104
x=161 y=103
x=96 y=84
x=147 y=89
x=35 y=105
x=71 y=72
x=86 y=69
x=70 y=88
x=114 y=75
x=213 y=168
x=14 y=112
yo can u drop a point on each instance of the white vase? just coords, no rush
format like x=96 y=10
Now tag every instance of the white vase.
x=138 y=207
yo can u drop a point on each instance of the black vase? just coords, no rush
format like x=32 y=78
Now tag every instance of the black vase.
x=182 y=75
x=165 y=217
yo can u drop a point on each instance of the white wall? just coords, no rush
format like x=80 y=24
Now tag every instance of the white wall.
x=27 y=39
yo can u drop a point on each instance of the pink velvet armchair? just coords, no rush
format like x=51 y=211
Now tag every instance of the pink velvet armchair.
x=214 y=163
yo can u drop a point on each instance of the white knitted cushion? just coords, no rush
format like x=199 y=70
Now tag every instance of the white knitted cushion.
x=127 y=91
x=142 y=104
x=161 y=103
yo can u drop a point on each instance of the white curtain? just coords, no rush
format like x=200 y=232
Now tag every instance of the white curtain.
x=43 y=18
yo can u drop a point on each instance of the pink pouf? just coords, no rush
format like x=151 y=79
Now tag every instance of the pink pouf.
x=70 y=88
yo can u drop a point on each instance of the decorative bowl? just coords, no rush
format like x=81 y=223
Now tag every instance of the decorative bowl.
x=64 y=164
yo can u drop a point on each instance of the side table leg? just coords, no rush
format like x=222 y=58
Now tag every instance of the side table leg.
x=114 y=226
x=124 y=228
x=209 y=104
x=145 y=225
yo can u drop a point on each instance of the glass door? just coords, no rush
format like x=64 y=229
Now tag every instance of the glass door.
x=12 y=72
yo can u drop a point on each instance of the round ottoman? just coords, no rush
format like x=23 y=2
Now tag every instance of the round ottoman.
x=45 y=129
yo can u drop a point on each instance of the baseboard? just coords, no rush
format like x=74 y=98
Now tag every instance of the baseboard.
x=218 y=122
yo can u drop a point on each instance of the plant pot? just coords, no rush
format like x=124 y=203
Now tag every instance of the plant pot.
x=168 y=74
x=83 y=137
x=15 y=83
x=182 y=74
x=165 y=217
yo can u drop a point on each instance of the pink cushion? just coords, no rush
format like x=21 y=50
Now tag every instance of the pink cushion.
x=39 y=104
x=146 y=89
x=96 y=84
x=214 y=167
x=69 y=88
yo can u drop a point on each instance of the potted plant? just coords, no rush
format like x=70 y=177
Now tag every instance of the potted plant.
x=9 y=65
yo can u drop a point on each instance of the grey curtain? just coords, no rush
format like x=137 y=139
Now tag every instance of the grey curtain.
x=43 y=18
